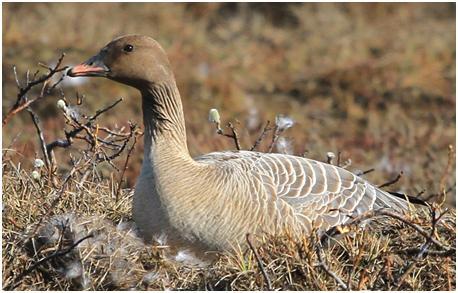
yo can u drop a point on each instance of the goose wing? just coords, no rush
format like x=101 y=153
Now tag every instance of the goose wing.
x=315 y=193
x=301 y=192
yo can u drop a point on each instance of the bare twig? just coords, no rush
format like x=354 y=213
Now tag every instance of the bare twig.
x=111 y=132
x=391 y=182
x=365 y=172
x=129 y=152
x=275 y=136
x=105 y=157
x=21 y=101
x=421 y=251
x=384 y=212
x=16 y=78
x=440 y=253
x=261 y=136
x=101 y=111
x=450 y=189
x=258 y=259
x=36 y=122
x=324 y=266
x=69 y=136
x=234 y=135
x=445 y=174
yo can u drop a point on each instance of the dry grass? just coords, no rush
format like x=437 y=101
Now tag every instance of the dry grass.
x=374 y=81
x=375 y=257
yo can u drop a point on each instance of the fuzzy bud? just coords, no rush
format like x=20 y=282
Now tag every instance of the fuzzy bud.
x=38 y=163
x=61 y=104
x=213 y=116
x=283 y=122
x=36 y=175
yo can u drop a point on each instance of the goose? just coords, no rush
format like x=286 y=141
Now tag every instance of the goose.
x=214 y=200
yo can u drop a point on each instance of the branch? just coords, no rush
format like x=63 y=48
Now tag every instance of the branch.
x=20 y=104
x=365 y=172
x=111 y=132
x=277 y=132
x=129 y=152
x=261 y=136
x=325 y=267
x=69 y=136
x=258 y=259
x=36 y=122
x=382 y=212
x=450 y=189
x=101 y=111
x=440 y=253
x=422 y=249
x=391 y=182
x=234 y=135
x=445 y=174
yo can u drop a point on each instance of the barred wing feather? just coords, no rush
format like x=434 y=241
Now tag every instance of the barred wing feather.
x=302 y=192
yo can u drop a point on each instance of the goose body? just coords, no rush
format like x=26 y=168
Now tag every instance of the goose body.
x=212 y=201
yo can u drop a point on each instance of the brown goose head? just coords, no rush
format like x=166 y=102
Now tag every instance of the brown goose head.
x=134 y=60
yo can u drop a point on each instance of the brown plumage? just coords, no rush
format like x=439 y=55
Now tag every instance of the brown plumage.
x=212 y=201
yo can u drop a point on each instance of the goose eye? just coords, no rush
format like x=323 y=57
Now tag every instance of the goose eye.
x=128 y=48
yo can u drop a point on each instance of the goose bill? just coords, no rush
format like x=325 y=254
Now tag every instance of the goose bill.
x=92 y=67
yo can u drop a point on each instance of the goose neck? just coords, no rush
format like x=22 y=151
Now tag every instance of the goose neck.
x=163 y=118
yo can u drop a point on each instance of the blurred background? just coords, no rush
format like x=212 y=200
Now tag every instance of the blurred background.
x=375 y=82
